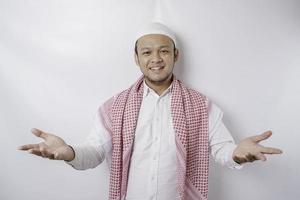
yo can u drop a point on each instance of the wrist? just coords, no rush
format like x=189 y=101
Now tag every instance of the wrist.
x=71 y=155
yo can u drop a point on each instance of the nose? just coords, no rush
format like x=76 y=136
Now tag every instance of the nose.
x=156 y=58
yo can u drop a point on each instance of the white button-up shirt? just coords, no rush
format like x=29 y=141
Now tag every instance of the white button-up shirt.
x=152 y=173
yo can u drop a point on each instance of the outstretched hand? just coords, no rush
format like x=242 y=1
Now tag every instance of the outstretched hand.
x=53 y=147
x=249 y=149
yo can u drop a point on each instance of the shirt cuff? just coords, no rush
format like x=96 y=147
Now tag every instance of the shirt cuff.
x=76 y=161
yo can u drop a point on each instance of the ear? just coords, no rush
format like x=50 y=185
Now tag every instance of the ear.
x=136 y=59
x=176 y=55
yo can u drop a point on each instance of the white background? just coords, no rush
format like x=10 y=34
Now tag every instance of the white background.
x=60 y=59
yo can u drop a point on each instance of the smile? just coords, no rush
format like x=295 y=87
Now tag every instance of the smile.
x=156 y=68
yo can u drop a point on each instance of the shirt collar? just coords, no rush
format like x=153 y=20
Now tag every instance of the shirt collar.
x=148 y=90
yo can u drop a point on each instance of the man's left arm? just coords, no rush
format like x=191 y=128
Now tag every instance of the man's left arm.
x=223 y=148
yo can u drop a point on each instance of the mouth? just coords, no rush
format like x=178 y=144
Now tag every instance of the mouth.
x=156 y=68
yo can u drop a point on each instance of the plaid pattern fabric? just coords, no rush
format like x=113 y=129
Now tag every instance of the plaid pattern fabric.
x=190 y=119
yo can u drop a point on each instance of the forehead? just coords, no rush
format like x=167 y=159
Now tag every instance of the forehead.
x=154 y=40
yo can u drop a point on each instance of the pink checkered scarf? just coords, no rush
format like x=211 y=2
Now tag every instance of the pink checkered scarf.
x=190 y=119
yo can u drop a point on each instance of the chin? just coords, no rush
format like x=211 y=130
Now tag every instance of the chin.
x=158 y=80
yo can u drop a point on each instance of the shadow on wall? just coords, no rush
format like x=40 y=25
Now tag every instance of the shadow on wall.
x=180 y=68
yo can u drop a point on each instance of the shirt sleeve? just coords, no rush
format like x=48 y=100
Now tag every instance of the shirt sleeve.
x=221 y=142
x=96 y=147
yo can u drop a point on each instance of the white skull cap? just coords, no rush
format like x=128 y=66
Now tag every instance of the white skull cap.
x=156 y=28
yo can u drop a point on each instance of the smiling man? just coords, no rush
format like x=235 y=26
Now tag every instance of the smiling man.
x=158 y=134
x=156 y=55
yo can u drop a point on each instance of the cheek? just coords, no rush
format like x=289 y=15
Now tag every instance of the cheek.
x=170 y=60
x=143 y=62
x=168 y=57
x=142 y=65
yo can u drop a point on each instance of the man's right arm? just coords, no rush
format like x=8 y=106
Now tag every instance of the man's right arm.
x=90 y=154
x=95 y=149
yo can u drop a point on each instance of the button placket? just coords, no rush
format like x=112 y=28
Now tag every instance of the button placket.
x=155 y=149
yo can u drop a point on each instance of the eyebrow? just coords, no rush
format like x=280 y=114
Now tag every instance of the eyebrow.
x=164 y=46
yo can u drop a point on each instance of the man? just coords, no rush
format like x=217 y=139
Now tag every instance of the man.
x=156 y=135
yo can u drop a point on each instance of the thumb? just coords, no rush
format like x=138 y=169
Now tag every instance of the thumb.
x=57 y=156
x=39 y=133
x=262 y=136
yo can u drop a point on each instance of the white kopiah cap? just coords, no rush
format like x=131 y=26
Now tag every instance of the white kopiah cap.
x=156 y=28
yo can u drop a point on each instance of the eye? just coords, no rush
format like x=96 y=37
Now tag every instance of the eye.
x=164 y=51
x=146 y=53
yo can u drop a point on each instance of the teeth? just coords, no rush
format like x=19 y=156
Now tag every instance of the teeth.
x=155 y=68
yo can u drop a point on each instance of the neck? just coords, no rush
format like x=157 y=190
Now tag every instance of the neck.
x=159 y=87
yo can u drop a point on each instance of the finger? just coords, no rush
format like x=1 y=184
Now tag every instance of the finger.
x=250 y=158
x=57 y=156
x=263 y=136
x=35 y=152
x=52 y=157
x=47 y=154
x=45 y=151
x=28 y=146
x=39 y=133
x=270 y=150
x=240 y=160
x=261 y=157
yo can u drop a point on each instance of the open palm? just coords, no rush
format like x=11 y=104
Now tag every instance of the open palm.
x=53 y=147
x=249 y=149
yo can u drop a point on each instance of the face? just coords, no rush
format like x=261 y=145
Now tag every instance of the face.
x=156 y=58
